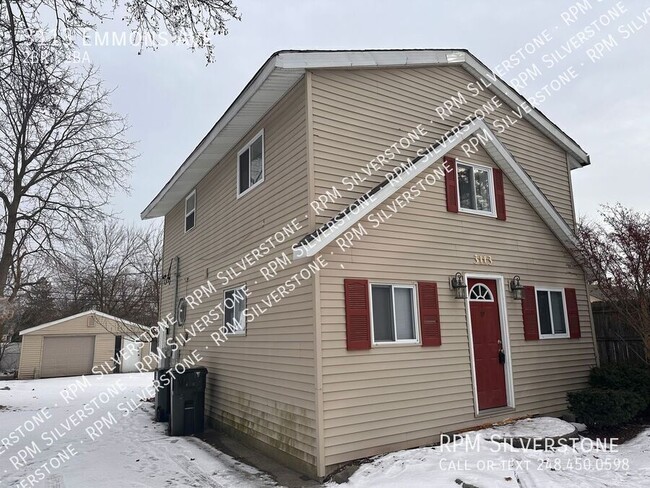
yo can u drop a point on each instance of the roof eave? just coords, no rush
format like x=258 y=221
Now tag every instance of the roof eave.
x=299 y=61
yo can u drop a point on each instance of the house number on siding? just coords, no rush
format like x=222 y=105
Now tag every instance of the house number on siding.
x=482 y=259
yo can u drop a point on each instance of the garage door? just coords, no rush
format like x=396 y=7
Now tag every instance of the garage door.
x=67 y=356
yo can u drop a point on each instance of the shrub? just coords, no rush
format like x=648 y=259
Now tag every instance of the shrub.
x=621 y=377
x=599 y=407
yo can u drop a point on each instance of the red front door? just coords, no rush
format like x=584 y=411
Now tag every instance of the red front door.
x=486 y=336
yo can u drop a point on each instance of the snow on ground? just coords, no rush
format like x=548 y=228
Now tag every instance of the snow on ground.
x=477 y=460
x=133 y=451
x=527 y=428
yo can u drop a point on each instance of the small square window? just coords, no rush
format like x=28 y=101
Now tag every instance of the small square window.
x=234 y=304
x=393 y=313
x=250 y=165
x=190 y=211
x=551 y=313
x=475 y=189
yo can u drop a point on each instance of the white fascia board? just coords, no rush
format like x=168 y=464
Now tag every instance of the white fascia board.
x=474 y=67
x=497 y=152
x=71 y=317
x=367 y=59
x=529 y=190
x=232 y=111
x=55 y=322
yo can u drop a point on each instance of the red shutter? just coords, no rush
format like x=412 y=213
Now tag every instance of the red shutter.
x=529 y=309
x=429 y=313
x=357 y=314
x=572 y=312
x=499 y=194
x=450 y=185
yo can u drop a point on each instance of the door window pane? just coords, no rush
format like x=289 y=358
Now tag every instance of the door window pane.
x=382 y=313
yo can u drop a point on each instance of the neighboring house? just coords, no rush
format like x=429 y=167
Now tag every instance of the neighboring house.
x=10 y=356
x=374 y=353
x=85 y=343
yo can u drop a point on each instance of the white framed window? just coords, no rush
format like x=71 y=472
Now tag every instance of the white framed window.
x=551 y=313
x=393 y=313
x=475 y=185
x=190 y=211
x=234 y=305
x=250 y=165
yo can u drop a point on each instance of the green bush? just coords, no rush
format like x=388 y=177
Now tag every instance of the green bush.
x=599 y=407
x=620 y=377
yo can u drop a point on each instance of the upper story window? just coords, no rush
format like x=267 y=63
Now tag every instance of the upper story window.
x=475 y=189
x=393 y=313
x=551 y=312
x=190 y=211
x=234 y=304
x=250 y=165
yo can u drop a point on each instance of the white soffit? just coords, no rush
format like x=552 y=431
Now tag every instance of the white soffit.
x=285 y=68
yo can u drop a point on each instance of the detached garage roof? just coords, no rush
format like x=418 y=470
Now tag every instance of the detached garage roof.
x=89 y=312
x=285 y=68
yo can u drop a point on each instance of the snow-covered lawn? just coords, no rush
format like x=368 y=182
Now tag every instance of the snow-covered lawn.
x=95 y=432
x=67 y=450
x=478 y=460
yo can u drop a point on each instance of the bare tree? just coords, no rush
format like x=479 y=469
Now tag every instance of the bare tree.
x=63 y=153
x=616 y=254
x=116 y=269
x=192 y=21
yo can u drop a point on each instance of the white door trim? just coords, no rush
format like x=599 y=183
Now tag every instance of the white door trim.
x=505 y=337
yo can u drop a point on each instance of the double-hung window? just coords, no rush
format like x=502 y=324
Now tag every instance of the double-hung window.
x=393 y=313
x=250 y=165
x=551 y=313
x=190 y=211
x=475 y=189
x=234 y=304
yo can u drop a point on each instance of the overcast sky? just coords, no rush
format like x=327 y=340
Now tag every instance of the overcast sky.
x=172 y=98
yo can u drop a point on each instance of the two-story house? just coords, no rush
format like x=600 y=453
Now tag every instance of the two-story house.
x=389 y=234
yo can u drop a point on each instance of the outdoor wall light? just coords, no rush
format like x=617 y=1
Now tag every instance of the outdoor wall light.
x=517 y=288
x=458 y=285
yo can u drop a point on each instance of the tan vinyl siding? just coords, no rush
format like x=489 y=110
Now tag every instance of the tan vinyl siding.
x=360 y=113
x=397 y=396
x=262 y=384
x=30 y=357
x=393 y=397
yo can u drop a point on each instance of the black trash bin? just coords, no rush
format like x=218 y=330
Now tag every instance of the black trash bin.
x=187 y=402
x=162 y=396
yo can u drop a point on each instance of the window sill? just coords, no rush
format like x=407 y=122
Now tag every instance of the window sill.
x=249 y=189
x=546 y=337
x=477 y=212
x=395 y=344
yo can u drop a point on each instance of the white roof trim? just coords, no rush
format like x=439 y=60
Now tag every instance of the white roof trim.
x=285 y=68
x=89 y=312
x=497 y=152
